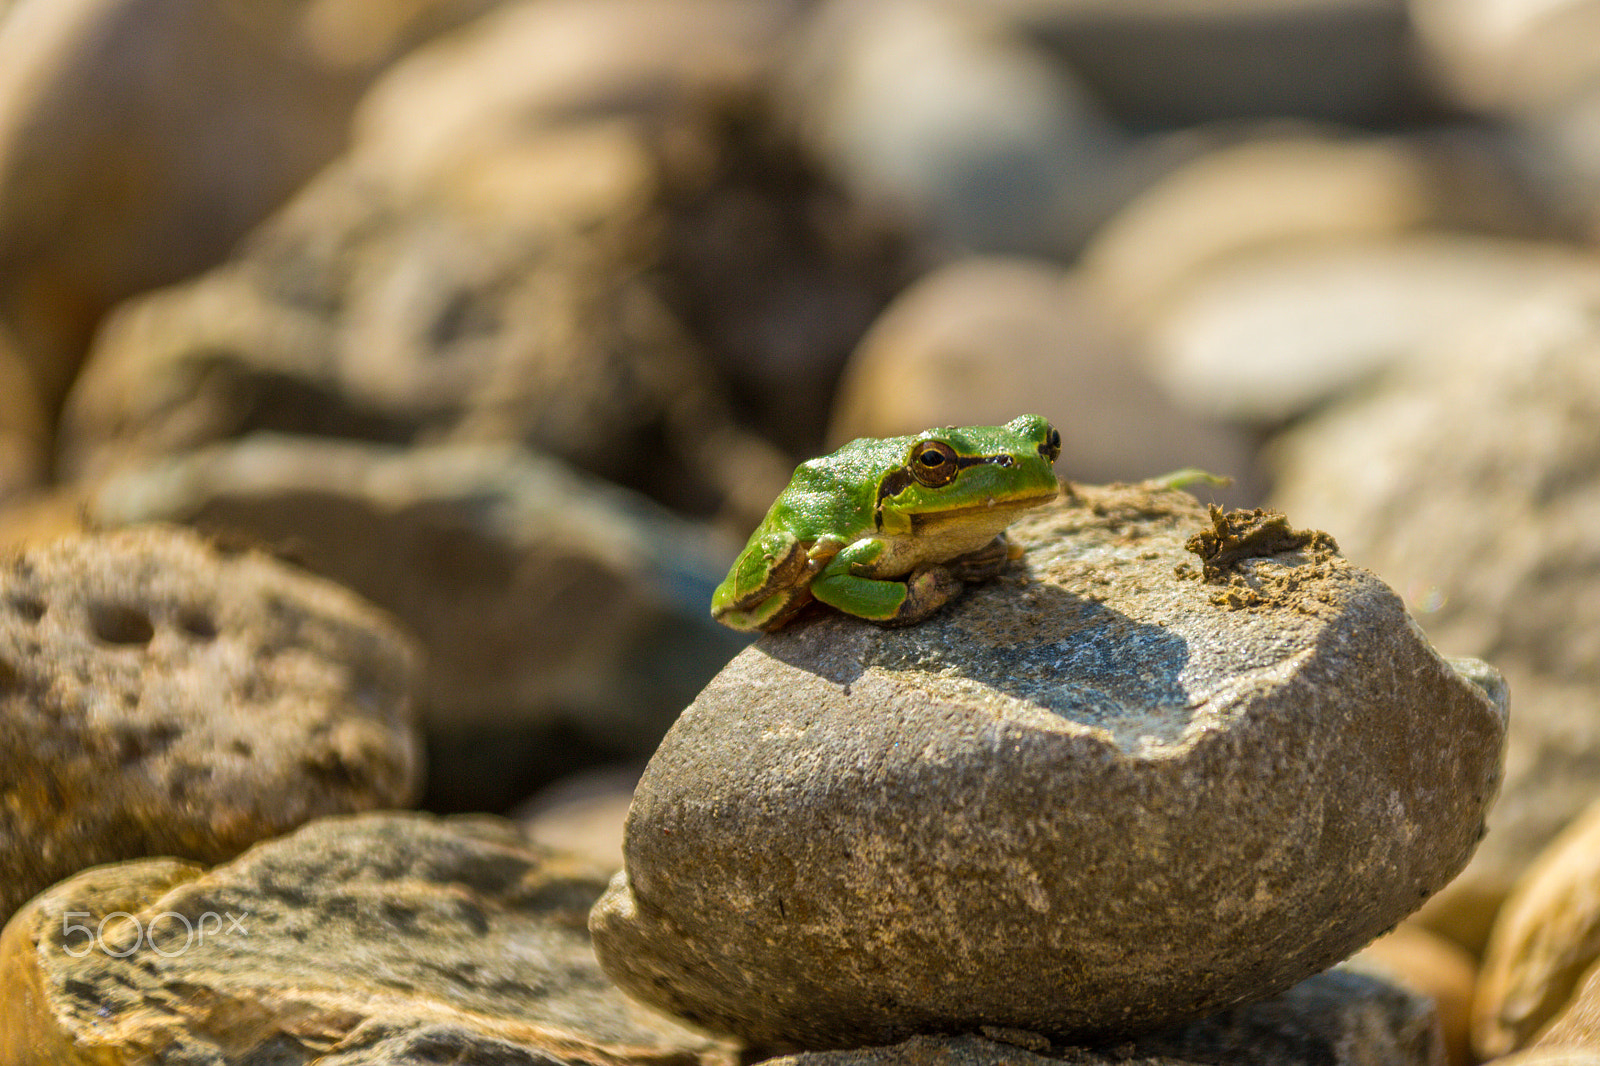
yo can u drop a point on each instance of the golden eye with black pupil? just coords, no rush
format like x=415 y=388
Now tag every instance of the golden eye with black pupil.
x=933 y=463
x=1051 y=448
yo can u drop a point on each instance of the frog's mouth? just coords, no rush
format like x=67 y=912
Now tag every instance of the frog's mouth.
x=994 y=505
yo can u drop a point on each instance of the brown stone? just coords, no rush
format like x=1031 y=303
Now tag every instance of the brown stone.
x=379 y=938
x=160 y=695
x=1088 y=799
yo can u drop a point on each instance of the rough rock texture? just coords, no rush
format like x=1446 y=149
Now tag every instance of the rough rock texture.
x=1544 y=949
x=139 y=140
x=1098 y=796
x=563 y=619
x=1337 y=1018
x=1469 y=480
x=381 y=938
x=987 y=336
x=162 y=696
x=1431 y=966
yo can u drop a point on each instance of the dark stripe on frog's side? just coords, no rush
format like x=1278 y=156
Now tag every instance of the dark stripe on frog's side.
x=900 y=478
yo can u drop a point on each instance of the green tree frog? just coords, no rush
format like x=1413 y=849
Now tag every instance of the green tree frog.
x=889 y=529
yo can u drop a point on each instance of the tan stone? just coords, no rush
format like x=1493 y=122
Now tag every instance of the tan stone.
x=1289 y=188
x=160 y=695
x=1545 y=942
x=350 y=940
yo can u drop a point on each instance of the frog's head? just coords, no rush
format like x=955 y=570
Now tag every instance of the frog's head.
x=975 y=475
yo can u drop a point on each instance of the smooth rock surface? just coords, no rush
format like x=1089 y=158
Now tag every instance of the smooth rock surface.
x=1555 y=1056
x=1469 y=480
x=1164 y=63
x=1545 y=944
x=950 y=120
x=381 y=938
x=584 y=814
x=1098 y=796
x=563 y=618
x=1298 y=186
x=1271 y=336
x=162 y=696
x=140 y=140
x=986 y=336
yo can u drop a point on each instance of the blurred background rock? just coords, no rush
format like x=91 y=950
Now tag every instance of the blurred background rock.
x=514 y=315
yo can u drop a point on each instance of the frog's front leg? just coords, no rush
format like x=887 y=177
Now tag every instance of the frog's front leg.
x=886 y=601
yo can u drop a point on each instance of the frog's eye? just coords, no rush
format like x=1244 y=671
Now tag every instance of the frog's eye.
x=1051 y=448
x=933 y=463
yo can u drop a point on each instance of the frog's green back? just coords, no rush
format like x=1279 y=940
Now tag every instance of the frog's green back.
x=835 y=493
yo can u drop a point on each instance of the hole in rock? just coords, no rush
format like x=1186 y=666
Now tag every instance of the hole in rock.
x=29 y=607
x=198 y=624
x=119 y=623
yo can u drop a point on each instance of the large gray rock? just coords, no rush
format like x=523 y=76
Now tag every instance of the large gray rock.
x=383 y=938
x=1103 y=795
x=160 y=695
x=1471 y=480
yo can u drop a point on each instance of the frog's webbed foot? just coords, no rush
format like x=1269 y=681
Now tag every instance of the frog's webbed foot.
x=985 y=563
x=928 y=588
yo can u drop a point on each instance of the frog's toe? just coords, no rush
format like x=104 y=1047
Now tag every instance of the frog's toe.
x=927 y=589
